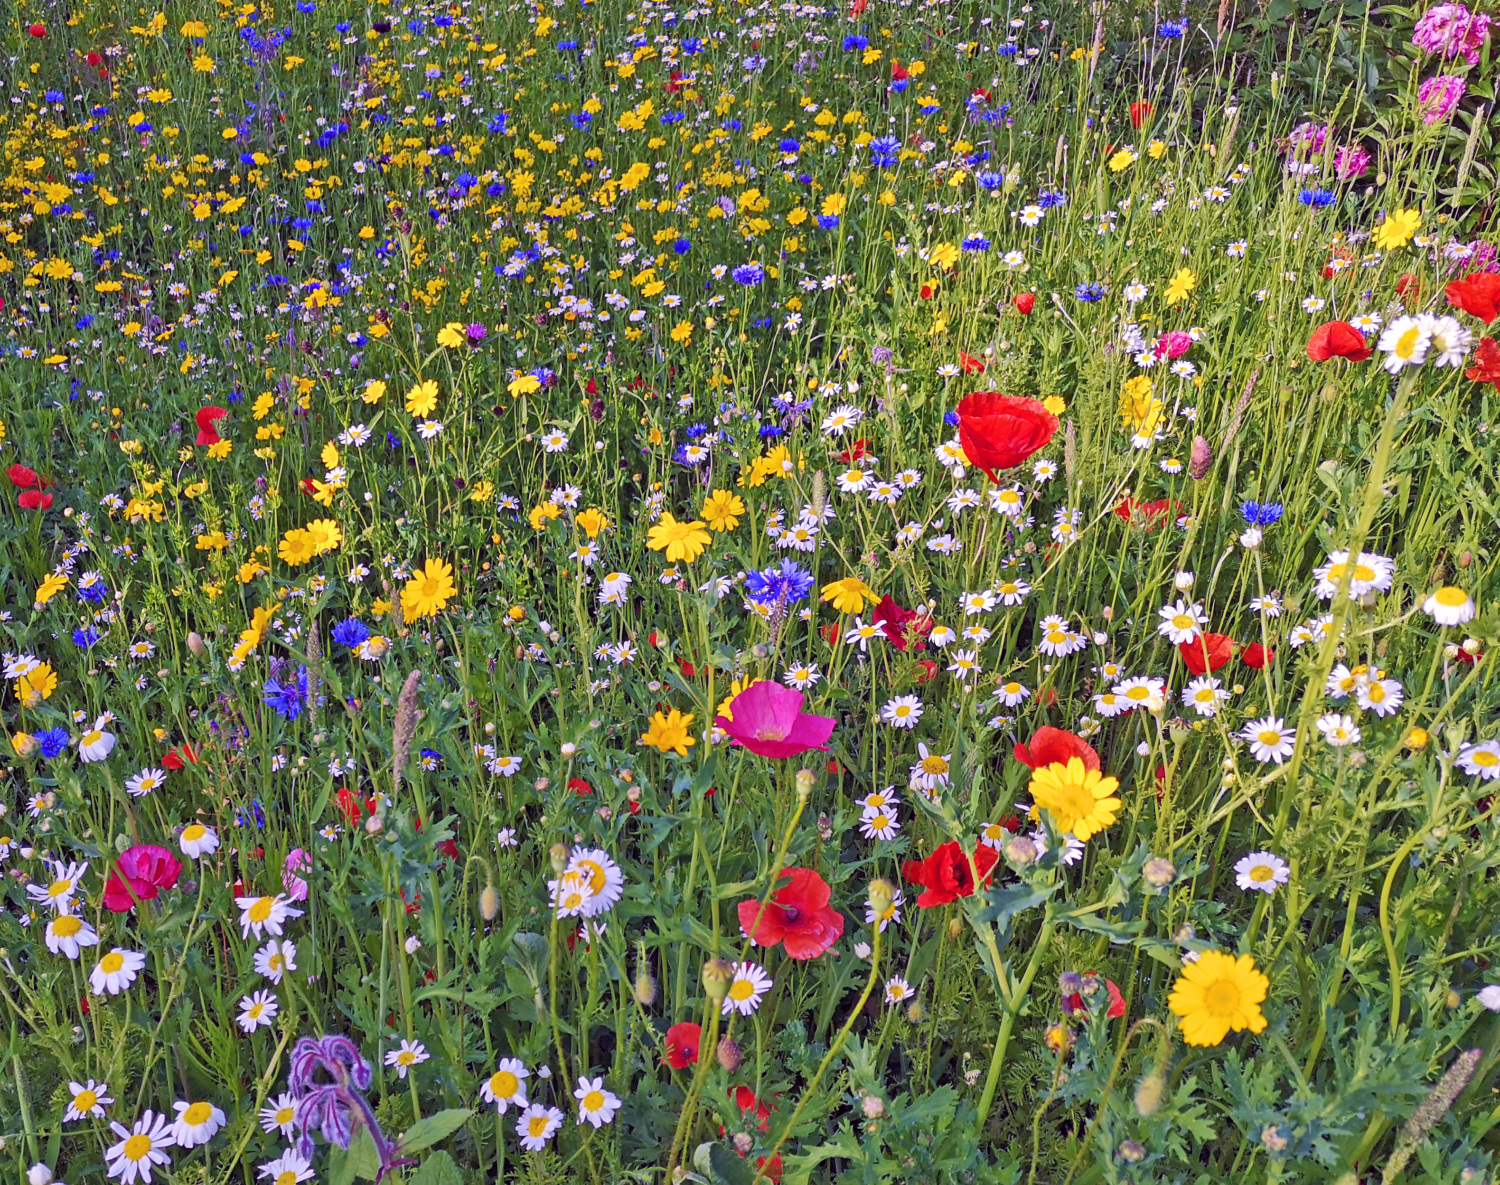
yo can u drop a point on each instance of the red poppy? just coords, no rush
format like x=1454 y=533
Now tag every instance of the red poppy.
x=205 y=418
x=579 y=786
x=1148 y=515
x=744 y=1098
x=857 y=451
x=970 y=364
x=830 y=632
x=688 y=669
x=1257 y=656
x=797 y=916
x=980 y=93
x=37 y=30
x=899 y=73
x=673 y=83
x=857 y=8
x=1024 y=302
x=34 y=500
x=21 y=477
x=1410 y=286
x=1140 y=112
x=929 y=670
x=928 y=290
x=1054 y=746
x=1337 y=339
x=1000 y=431
x=683 y=1040
x=1478 y=294
x=143 y=871
x=592 y=387
x=902 y=626
x=1206 y=652
x=1487 y=363
x=180 y=756
x=945 y=875
x=92 y=58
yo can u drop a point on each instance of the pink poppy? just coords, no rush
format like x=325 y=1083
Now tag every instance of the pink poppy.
x=768 y=720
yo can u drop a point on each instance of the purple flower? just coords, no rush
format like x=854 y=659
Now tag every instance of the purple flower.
x=1350 y=162
x=326 y=1080
x=476 y=333
x=1437 y=97
x=1451 y=29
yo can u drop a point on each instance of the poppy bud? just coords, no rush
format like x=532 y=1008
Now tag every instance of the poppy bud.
x=645 y=989
x=717 y=974
x=1201 y=459
x=955 y=929
x=743 y=1143
x=1149 y=1092
x=1020 y=851
x=489 y=903
x=804 y=784
x=1024 y=302
x=915 y=1012
x=881 y=894
x=729 y=1054
x=1159 y=872
x=559 y=856
x=196 y=644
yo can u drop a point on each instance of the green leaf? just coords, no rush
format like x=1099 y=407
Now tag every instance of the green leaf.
x=364 y=1160
x=340 y=1167
x=1004 y=902
x=437 y=1169
x=426 y=1132
x=720 y=1165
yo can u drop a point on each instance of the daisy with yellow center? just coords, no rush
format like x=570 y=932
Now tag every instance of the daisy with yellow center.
x=428 y=591
x=682 y=541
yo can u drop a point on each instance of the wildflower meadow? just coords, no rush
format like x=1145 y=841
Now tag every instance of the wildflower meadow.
x=652 y=591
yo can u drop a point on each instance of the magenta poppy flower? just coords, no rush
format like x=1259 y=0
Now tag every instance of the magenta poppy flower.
x=148 y=869
x=768 y=720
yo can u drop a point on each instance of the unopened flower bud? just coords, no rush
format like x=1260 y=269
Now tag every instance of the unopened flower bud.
x=804 y=784
x=1149 y=1092
x=1070 y=983
x=873 y=1106
x=743 y=1142
x=915 y=1012
x=1416 y=738
x=1159 y=872
x=881 y=895
x=1453 y=999
x=196 y=644
x=489 y=903
x=374 y=825
x=1271 y=1138
x=1201 y=459
x=1185 y=934
x=1020 y=851
x=729 y=1054
x=558 y=854
x=955 y=929
x=645 y=989
x=568 y=749
x=1472 y=646
x=717 y=974
x=1132 y=1151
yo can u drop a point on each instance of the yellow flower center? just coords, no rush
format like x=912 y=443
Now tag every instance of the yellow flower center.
x=1485 y=759
x=59 y=888
x=593 y=1101
x=933 y=764
x=1182 y=621
x=193 y=832
x=1262 y=873
x=197 y=1114
x=85 y=1100
x=503 y=1084
x=1452 y=598
x=90 y=738
x=1406 y=344
x=137 y=1147
x=594 y=873
x=1138 y=693
x=286 y=1114
x=111 y=962
x=289 y=1177
x=405 y=1057
x=1267 y=737
x=66 y=926
x=260 y=910
x=537 y=1126
x=1222 y=997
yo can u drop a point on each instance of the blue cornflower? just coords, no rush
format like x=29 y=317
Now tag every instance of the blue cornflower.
x=855 y=42
x=431 y=759
x=1317 y=198
x=748 y=274
x=990 y=180
x=351 y=632
x=692 y=45
x=1171 y=30
x=287 y=698
x=85 y=638
x=951 y=419
x=785 y=583
x=828 y=221
x=1089 y=292
x=1048 y=198
x=682 y=246
x=976 y=243
x=883 y=150
x=1261 y=514
x=770 y=431
x=789 y=146
x=92 y=589
x=53 y=741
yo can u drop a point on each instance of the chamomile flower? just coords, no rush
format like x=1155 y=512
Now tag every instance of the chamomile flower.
x=897 y=991
x=140 y=1148
x=1269 y=739
x=880 y=823
x=276 y=958
x=747 y=988
x=536 y=1125
x=67 y=935
x=279 y=1114
x=264 y=915
x=902 y=712
x=596 y=1105
x=407 y=1055
x=1261 y=872
x=88 y=1101
x=116 y=971
x=1481 y=760
x=257 y=1011
x=196 y=1123
x=1339 y=730
x=506 y=1087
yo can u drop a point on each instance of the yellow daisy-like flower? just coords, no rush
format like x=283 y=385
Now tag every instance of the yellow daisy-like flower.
x=722 y=510
x=1182 y=283
x=670 y=733
x=50 y=587
x=524 y=384
x=451 y=334
x=1217 y=994
x=428 y=591
x=421 y=400
x=592 y=522
x=680 y=540
x=1080 y=800
x=297 y=547
x=849 y=594
x=36 y=685
x=1397 y=229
